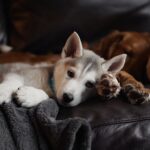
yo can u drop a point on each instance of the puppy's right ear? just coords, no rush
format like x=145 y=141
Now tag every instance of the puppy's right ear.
x=115 y=64
x=73 y=47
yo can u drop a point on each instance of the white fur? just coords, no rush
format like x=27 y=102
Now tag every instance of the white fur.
x=77 y=86
x=30 y=96
x=9 y=85
x=27 y=96
x=5 y=48
x=5 y=93
x=91 y=76
x=87 y=67
x=148 y=98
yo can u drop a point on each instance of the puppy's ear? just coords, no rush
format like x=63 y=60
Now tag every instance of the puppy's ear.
x=115 y=64
x=73 y=47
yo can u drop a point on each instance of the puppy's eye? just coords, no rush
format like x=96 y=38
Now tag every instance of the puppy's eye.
x=89 y=84
x=70 y=73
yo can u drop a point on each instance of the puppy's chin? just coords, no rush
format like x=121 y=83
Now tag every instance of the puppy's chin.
x=66 y=104
x=71 y=104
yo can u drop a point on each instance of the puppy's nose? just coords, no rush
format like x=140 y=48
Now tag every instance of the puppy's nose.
x=67 y=97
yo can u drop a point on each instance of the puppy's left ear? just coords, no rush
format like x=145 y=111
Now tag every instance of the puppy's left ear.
x=115 y=64
x=73 y=46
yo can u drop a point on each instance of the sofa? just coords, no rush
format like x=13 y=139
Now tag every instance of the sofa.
x=42 y=26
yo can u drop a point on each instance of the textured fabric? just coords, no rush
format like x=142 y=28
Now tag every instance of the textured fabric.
x=41 y=25
x=37 y=128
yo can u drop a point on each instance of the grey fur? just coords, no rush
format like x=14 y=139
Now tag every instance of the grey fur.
x=92 y=60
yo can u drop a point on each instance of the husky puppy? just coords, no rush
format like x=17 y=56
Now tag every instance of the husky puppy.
x=71 y=80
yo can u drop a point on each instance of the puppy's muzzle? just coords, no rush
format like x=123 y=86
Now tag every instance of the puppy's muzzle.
x=67 y=97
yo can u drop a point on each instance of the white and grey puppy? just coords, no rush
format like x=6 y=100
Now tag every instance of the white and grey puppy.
x=71 y=80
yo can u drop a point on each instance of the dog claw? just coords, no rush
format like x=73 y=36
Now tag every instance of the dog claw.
x=135 y=96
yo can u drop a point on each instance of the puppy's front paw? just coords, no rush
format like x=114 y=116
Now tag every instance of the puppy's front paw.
x=5 y=93
x=30 y=96
x=136 y=96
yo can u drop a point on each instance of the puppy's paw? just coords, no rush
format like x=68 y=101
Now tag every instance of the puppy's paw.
x=5 y=93
x=30 y=96
x=136 y=96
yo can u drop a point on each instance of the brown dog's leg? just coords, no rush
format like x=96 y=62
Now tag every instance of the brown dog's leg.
x=134 y=90
x=108 y=86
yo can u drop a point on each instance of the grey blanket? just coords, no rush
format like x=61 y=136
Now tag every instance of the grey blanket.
x=38 y=129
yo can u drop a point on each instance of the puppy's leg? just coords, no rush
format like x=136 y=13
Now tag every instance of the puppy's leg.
x=10 y=84
x=30 y=96
x=134 y=90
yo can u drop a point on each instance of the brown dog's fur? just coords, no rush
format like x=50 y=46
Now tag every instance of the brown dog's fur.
x=134 y=90
x=13 y=57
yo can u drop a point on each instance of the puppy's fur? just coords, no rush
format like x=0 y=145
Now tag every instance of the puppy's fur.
x=5 y=48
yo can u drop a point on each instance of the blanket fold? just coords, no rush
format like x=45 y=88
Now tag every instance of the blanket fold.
x=38 y=129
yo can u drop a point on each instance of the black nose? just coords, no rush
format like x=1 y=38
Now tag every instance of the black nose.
x=67 y=97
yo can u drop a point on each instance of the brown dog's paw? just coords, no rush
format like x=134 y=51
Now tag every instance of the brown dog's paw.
x=108 y=86
x=136 y=96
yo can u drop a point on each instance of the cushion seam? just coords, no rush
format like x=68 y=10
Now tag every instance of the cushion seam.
x=121 y=122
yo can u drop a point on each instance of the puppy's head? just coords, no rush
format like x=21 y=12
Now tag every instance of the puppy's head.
x=76 y=73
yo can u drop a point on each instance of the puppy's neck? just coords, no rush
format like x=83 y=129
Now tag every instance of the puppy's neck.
x=51 y=82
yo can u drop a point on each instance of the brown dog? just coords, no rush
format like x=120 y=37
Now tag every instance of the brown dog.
x=135 y=45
